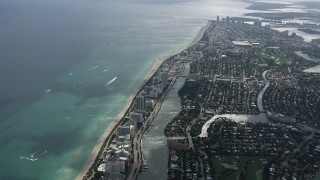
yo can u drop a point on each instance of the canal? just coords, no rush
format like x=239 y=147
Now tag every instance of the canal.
x=154 y=144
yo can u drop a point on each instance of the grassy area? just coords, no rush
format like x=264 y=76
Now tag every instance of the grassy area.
x=251 y=166
x=274 y=56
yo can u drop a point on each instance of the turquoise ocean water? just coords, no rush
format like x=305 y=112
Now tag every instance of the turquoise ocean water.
x=66 y=69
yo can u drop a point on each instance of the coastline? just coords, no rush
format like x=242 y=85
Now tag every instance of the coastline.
x=116 y=121
x=102 y=139
x=200 y=34
x=161 y=60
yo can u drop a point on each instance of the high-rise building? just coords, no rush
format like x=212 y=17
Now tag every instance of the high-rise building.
x=136 y=117
x=218 y=18
x=155 y=80
x=148 y=89
x=164 y=78
x=144 y=94
x=140 y=103
x=115 y=166
x=124 y=130
x=155 y=91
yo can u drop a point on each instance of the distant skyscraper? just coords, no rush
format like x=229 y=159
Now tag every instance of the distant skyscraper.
x=228 y=19
x=218 y=18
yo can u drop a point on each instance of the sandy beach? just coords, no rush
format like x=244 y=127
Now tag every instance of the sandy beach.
x=200 y=34
x=117 y=119
x=103 y=137
x=160 y=61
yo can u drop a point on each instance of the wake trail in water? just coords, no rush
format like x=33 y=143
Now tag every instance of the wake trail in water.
x=35 y=155
x=111 y=81
x=28 y=158
x=94 y=67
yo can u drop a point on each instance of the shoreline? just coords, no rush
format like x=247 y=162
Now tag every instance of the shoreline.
x=115 y=122
x=161 y=60
x=200 y=34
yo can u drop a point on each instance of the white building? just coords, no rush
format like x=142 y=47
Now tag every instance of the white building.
x=123 y=153
x=102 y=168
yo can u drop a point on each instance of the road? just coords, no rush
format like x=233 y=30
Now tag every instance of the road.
x=190 y=126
